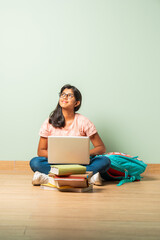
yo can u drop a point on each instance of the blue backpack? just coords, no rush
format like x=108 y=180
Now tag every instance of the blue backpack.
x=124 y=167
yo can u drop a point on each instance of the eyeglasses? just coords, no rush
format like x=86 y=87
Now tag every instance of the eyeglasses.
x=69 y=95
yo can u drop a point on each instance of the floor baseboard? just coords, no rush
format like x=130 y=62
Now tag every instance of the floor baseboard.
x=15 y=165
x=24 y=165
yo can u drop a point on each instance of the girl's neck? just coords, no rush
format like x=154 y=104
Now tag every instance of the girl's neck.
x=68 y=115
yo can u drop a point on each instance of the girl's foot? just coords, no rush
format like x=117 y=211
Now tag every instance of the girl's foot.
x=96 y=179
x=39 y=178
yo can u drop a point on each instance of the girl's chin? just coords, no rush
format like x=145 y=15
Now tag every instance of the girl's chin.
x=63 y=105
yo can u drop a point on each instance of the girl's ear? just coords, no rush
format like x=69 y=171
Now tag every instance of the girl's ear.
x=77 y=103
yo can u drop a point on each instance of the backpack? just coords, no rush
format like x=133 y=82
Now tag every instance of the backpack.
x=124 y=168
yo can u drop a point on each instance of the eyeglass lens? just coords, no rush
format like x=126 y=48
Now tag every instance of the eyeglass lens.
x=63 y=95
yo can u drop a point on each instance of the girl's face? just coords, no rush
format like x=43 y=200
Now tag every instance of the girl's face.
x=67 y=100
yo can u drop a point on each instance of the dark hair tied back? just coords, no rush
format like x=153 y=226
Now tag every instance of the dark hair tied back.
x=56 y=117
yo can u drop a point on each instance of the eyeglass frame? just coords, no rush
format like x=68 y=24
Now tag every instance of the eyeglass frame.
x=68 y=95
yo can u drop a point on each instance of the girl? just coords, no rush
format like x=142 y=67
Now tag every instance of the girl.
x=64 y=121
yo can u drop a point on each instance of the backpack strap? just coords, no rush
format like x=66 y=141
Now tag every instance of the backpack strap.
x=131 y=179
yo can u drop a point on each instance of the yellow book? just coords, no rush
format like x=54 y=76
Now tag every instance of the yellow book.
x=49 y=186
x=62 y=170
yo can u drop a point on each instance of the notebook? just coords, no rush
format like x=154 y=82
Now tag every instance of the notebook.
x=68 y=150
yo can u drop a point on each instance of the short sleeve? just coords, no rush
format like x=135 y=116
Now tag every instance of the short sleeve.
x=45 y=129
x=89 y=128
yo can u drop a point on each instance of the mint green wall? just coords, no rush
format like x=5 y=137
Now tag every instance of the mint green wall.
x=110 y=50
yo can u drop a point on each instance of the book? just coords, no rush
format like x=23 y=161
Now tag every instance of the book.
x=71 y=181
x=76 y=189
x=62 y=170
x=49 y=186
x=88 y=175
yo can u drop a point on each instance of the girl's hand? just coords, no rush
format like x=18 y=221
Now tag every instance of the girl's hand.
x=99 y=147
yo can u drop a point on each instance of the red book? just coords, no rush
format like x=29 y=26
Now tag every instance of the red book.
x=71 y=181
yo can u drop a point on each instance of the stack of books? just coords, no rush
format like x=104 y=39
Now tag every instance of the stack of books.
x=70 y=178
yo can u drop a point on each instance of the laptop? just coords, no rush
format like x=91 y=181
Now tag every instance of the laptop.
x=68 y=150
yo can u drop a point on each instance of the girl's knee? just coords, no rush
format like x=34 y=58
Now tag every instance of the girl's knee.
x=34 y=163
x=40 y=164
x=106 y=162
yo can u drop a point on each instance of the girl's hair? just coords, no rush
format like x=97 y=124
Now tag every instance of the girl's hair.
x=56 y=117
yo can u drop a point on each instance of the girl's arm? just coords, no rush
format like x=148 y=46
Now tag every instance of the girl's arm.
x=43 y=147
x=99 y=147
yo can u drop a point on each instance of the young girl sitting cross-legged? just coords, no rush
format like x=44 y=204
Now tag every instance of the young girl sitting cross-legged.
x=64 y=121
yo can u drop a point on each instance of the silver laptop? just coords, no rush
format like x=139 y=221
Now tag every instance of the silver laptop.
x=68 y=150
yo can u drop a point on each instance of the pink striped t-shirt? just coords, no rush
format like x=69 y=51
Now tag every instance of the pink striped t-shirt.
x=81 y=126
